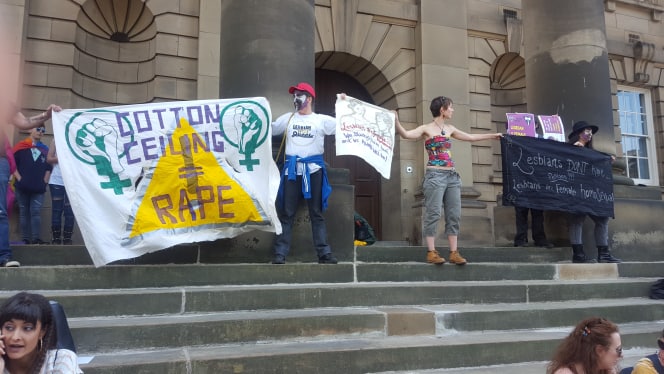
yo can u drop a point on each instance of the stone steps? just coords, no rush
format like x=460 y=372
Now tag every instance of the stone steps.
x=630 y=356
x=174 y=275
x=210 y=252
x=355 y=355
x=220 y=298
x=190 y=309
x=104 y=334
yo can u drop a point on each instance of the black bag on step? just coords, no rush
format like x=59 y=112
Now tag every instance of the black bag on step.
x=657 y=290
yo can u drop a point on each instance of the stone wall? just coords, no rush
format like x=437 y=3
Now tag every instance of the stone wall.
x=405 y=52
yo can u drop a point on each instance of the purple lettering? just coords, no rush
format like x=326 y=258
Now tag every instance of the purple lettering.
x=119 y=118
x=209 y=116
x=223 y=202
x=148 y=144
x=172 y=147
x=201 y=200
x=161 y=120
x=199 y=142
x=176 y=114
x=162 y=211
x=190 y=112
x=217 y=141
x=185 y=205
x=147 y=123
x=127 y=148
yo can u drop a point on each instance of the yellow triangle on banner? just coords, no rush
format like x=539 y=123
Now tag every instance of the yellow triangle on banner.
x=189 y=188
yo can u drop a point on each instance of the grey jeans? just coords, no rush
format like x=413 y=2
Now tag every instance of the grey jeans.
x=442 y=191
x=575 y=222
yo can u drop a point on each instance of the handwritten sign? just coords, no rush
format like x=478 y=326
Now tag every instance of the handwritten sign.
x=147 y=177
x=552 y=127
x=549 y=175
x=521 y=124
x=366 y=131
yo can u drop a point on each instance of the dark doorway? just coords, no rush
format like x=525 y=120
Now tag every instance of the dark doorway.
x=365 y=178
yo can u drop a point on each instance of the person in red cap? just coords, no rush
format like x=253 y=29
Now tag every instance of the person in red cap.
x=304 y=172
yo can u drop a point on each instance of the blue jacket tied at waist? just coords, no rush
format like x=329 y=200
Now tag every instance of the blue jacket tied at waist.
x=291 y=166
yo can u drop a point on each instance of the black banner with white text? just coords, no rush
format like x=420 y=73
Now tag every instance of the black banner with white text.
x=550 y=175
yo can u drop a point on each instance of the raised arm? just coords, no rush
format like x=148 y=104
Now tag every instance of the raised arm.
x=20 y=121
x=415 y=133
x=460 y=135
x=52 y=157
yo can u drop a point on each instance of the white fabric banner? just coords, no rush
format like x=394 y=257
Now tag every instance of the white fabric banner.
x=147 y=177
x=366 y=131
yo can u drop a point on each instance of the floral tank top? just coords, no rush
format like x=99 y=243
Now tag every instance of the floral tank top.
x=439 y=149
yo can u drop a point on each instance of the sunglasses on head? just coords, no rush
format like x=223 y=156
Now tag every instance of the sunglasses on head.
x=41 y=129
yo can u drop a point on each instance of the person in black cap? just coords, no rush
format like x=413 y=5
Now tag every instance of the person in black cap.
x=304 y=172
x=582 y=136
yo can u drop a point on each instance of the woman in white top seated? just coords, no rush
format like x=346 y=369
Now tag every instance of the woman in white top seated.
x=28 y=338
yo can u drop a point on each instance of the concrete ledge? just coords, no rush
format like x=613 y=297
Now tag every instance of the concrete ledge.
x=137 y=276
x=448 y=272
x=116 y=334
x=409 y=321
x=587 y=271
x=542 y=314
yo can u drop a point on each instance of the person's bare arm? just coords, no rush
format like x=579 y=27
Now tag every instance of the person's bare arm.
x=27 y=123
x=407 y=134
x=52 y=156
x=461 y=135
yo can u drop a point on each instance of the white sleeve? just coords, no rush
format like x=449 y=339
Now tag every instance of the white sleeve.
x=329 y=124
x=66 y=362
x=279 y=126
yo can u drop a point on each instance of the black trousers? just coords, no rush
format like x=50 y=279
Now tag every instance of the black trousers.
x=537 y=216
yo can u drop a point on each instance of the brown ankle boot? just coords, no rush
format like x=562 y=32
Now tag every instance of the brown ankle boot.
x=455 y=258
x=434 y=258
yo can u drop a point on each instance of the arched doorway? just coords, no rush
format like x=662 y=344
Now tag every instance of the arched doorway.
x=366 y=179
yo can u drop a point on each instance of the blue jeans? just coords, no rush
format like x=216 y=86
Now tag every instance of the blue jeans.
x=30 y=205
x=5 y=251
x=292 y=194
x=60 y=205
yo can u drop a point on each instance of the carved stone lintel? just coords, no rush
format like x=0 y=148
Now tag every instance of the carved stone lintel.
x=643 y=56
x=610 y=5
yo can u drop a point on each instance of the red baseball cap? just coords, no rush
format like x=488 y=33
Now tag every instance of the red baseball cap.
x=303 y=86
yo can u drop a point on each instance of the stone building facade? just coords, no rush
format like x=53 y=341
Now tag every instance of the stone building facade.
x=398 y=54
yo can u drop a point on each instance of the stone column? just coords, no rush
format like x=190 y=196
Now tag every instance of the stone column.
x=12 y=18
x=567 y=66
x=265 y=49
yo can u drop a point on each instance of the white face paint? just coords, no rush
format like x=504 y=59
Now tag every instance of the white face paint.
x=299 y=101
x=586 y=135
